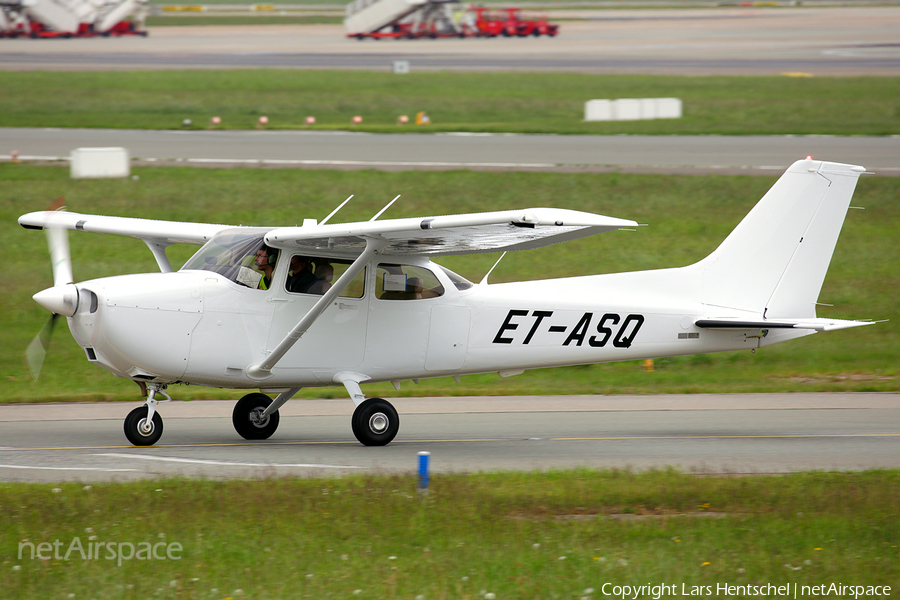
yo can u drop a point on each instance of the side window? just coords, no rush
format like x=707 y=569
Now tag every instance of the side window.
x=406 y=282
x=316 y=275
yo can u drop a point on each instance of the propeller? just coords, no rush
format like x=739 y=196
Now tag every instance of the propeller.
x=61 y=299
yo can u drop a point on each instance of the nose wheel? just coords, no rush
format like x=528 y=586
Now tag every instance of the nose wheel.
x=143 y=425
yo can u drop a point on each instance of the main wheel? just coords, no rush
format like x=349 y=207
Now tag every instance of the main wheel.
x=246 y=418
x=375 y=422
x=134 y=427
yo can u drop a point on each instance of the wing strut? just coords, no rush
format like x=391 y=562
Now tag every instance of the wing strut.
x=264 y=369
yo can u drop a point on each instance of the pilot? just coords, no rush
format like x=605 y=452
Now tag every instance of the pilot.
x=265 y=262
x=301 y=277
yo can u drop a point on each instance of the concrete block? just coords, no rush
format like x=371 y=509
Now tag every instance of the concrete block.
x=626 y=109
x=100 y=162
x=598 y=110
x=668 y=108
x=632 y=109
x=648 y=108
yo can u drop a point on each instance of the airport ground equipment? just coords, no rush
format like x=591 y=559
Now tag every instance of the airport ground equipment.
x=71 y=18
x=411 y=19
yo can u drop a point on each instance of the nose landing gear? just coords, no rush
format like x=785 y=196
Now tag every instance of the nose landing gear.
x=143 y=425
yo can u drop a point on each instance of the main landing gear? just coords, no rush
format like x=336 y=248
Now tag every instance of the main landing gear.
x=375 y=422
x=250 y=420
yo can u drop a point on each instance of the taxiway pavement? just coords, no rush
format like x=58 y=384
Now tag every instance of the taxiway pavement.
x=562 y=153
x=708 y=433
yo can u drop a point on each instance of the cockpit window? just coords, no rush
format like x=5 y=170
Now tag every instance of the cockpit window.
x=232 y=254
x=406 y=282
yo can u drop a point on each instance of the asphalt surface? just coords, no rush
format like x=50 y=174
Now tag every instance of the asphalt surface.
x=348 y=150
x=730 y=434
x=846 y=41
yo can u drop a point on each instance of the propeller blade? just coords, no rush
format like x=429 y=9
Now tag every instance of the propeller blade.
x=60 y=258
x=37 y=349
x=60 y=298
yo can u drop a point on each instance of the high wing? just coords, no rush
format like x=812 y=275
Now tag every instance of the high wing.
x=450 y=234
x=156 y=234
x=168 y=232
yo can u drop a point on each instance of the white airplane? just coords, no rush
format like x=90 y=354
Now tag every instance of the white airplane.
x=282 y=308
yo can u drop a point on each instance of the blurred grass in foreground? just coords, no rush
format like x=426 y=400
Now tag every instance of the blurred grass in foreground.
x=475 y=102
x=688 y=216
x=515 y=535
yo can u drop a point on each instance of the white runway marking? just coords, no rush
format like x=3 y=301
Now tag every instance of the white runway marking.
x=33 y=468
x=223 y=463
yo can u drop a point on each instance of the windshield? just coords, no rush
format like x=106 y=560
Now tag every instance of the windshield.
x=231 y=253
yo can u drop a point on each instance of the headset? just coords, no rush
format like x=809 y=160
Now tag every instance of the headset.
x=272 y=254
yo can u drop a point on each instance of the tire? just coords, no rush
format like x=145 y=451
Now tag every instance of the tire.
x=246 y=428
x=375 y=422
x=133 y=432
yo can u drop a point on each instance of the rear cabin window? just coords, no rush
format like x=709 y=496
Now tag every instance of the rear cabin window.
x=406 y=282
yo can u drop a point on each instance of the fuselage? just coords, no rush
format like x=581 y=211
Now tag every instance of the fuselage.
x=201 y=327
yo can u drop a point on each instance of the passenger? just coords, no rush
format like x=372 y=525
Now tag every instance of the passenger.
x=324 y=274
x=301 y=277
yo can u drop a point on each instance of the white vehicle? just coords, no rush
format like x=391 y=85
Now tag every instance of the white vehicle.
x=363 y=302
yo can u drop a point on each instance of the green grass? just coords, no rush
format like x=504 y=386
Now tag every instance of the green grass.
x=688 y=216
x=479 y=102
x=514 y=535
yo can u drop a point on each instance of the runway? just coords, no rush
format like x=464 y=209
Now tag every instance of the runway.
x=712 y=434
x=565 y=153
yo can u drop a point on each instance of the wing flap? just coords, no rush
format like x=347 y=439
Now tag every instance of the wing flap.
x=450 y=234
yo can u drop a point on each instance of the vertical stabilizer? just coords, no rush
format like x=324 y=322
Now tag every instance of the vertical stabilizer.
x=774 y=262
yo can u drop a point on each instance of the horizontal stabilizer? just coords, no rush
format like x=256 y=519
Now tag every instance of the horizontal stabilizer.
x=816 y=324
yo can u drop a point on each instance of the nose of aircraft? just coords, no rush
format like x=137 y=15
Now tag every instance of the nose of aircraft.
x=59 y=299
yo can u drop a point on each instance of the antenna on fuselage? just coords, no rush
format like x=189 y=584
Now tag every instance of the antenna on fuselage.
x=380 y=212
x=484 y=280
x=334 y=212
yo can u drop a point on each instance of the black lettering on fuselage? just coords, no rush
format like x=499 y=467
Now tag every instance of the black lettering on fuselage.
x=603 y=330
x=508 y=326
x=623 y=338
x=608 y=328
x=539 y=315
x=580 y=330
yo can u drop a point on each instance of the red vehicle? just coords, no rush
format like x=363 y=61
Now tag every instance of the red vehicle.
x=474 y=22
x=508 y=23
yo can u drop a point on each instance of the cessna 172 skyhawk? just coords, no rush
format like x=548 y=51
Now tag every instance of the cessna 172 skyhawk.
x=343 y=304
